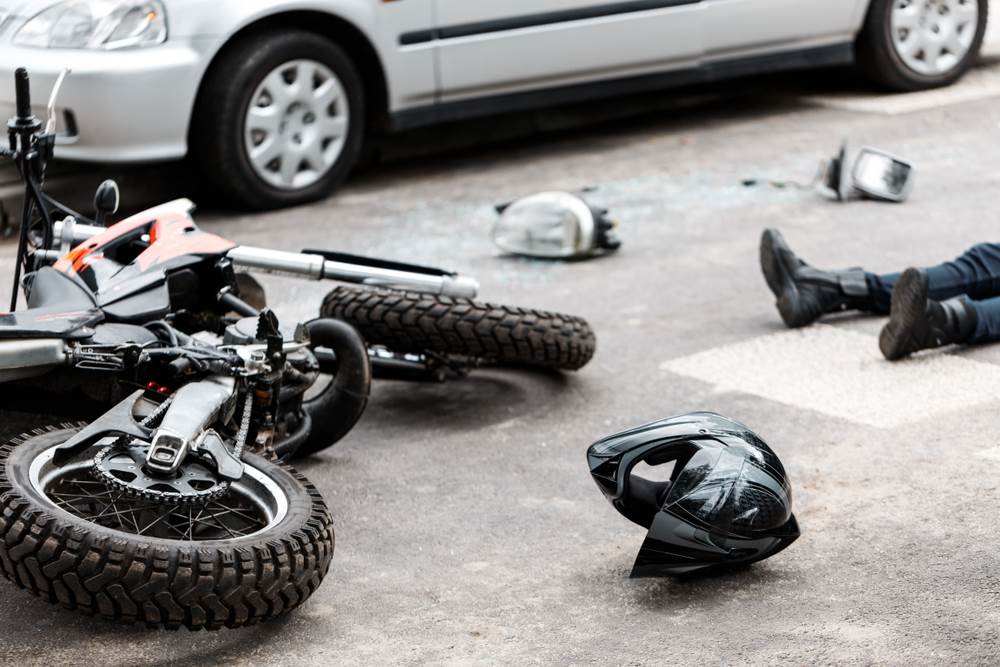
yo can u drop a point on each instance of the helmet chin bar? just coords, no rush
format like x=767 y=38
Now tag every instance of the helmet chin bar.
x=728 y=501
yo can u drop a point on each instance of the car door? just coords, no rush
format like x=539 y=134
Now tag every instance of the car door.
x=736 y=27
x=490 y=48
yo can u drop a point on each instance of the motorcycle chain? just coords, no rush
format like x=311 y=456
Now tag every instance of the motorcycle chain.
x=105 y=475
x=101 y=472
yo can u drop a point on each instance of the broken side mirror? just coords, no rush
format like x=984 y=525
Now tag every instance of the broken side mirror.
x=879 y=175
x=872 y=173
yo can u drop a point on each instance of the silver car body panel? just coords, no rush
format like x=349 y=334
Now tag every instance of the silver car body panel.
x=614 y=41
x=136 y=104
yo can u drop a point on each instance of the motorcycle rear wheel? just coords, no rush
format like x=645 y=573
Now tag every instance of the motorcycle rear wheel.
x=412 y=322
x=255 y=554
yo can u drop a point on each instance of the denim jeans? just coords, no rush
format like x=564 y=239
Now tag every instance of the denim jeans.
x=975 y=276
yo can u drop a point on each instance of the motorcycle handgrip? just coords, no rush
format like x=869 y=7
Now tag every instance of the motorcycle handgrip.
x=22 y=93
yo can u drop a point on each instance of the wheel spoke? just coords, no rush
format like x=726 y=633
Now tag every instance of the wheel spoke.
x=228 y=510
x=315 y=157
x=913 y=45
x=327 y=93
x=154 y=522
x=207 y=521
x=264 y=118
x=266 y=152
x=289 y=167
x=332 y=127
x=954 y=44
x=908 y=19
x=278 y=89
x=238 y=514
x=305 y=74
x=964 y=12
x=932 y=53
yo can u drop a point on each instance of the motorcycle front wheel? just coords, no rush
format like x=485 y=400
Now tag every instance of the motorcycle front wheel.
x=252 y=554
x=412 y=322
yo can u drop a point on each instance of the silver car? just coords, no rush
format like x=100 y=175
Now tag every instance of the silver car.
x=274 y=98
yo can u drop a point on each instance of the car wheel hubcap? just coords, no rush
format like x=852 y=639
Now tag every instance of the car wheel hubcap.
x=932 y=37
x=296 y=124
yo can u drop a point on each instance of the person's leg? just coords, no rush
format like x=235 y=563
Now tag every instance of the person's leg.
x=803 y=293
x=918 y=322
x=880 y=288
x=987 y=321
x=976 y=274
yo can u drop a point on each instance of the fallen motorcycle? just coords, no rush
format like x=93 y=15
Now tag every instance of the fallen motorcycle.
x=175 y=507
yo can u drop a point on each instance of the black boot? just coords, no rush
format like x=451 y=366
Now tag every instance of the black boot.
x=804 y=294
x=919 y=323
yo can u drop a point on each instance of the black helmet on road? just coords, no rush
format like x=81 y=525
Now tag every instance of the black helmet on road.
x=728 y=501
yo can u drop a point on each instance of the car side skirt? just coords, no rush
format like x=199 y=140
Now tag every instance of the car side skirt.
x=824 y=56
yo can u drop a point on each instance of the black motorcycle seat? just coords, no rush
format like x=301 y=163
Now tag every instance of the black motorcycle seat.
x=58 y=307
x=48 y=288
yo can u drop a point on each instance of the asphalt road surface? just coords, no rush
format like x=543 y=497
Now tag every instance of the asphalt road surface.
x=468 y=529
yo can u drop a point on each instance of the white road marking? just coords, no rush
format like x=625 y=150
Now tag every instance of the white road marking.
x=992 y=454
x=841 y=373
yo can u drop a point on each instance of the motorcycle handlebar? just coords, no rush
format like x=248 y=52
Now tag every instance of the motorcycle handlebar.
x=68 y=233
x=22 y=92
x=318 y=267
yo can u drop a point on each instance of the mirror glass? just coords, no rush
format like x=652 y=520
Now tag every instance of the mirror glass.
x=882 y=176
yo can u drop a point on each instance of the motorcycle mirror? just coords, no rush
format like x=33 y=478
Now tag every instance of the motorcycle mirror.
x=106 y=201
x=554 y=225
x=879 y=175
x=50 y=123
x=874 y=174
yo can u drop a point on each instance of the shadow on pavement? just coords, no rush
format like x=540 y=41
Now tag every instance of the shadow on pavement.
x=216 y=647
x=454 y=145
x=484 y=398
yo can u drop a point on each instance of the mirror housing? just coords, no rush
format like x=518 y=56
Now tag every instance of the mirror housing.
x=873 y=174
x=879 y=175
x=106 y=201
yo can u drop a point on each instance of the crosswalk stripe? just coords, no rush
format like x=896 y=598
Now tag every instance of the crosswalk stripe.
x=841 y=373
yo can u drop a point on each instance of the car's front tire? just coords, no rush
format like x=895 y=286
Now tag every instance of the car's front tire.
x=280 y=120
x=909 y=45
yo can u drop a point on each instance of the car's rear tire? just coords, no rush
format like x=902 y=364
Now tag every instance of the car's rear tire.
x=909 y=45
x=280 y=120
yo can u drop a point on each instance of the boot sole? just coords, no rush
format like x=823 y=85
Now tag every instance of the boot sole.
x=909 y=305
x=779 y=278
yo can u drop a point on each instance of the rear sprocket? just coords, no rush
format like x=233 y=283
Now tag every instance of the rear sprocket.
x=121 y=467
